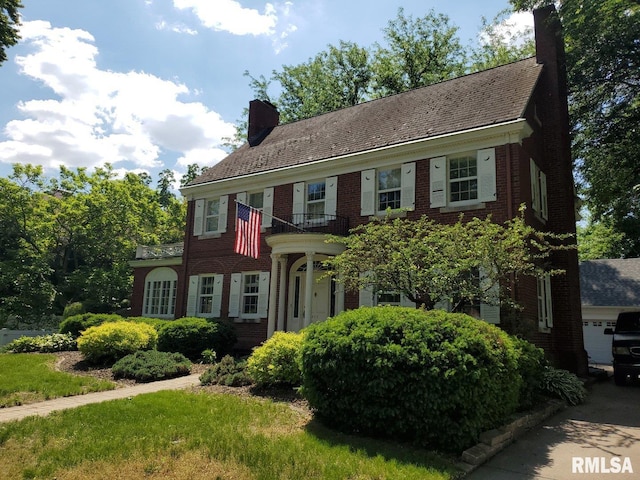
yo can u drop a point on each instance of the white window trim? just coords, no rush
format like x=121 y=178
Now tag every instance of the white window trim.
x=162 y=274
x=300 y=196
x=440 y=181
x=199 y=217
x=544 y=304
x=194 y=295
x=369 y=189
x=236 y=296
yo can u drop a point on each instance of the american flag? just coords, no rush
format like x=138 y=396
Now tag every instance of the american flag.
x=248 y=231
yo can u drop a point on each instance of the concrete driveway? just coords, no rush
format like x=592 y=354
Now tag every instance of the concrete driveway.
x=599 y=439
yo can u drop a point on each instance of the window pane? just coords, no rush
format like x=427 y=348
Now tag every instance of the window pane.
x=388 y=179
x=316 y=191
x=213 y=207
x=315 y=209
x=389 y=200
x=251 y=283
x=256 y=200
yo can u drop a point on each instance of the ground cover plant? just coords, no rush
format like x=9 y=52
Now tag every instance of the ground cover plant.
x=27 y=378
x=56 y=342
x=185 y=435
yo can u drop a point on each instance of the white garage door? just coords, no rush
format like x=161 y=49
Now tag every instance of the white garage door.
x=596 y=343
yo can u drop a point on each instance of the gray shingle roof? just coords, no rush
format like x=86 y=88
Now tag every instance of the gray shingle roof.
x=614 y=282
x=485 y=98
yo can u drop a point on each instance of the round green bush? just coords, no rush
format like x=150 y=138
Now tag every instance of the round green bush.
x=191 y=336
x=151 y=365
x=434 y=378
x=228 y=371
x=111 y=341
x=277 y=361
x=156 y=323
x=75 y=308
x=76 y=324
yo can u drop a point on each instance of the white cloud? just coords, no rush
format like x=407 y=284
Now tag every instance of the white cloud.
x=515 y=28
x=102 y=116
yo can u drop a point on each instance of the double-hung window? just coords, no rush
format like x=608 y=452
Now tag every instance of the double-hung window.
x=539 y=203
x=261 y=200
x=210 y=215
x=204 y=298
x=249 y=295
x=387 y=188
x=315 y=201
x=462 y=180
x=545 y=313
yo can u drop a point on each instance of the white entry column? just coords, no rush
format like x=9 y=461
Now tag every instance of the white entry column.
x=273 y=283
x=308 y=289
x=281 y=296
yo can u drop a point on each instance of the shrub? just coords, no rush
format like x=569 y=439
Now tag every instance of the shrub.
x=111 y=341
x=76 y=324
x=209 y=356
x=56 y=342
x=564 y=385
x=191 y=336
x=277 y=361
x=75 y=308
x=156 y=323
x=228 y=371
x=435 y=378
x=151 y=365
x=531 y=365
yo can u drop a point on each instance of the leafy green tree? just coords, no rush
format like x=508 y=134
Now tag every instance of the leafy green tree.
x=598 y=240
x=428 y=262
x=418 y=52
x=165 y=182
x=498 y=45
x=603 y=63
x=194 y=170
x=9 y=22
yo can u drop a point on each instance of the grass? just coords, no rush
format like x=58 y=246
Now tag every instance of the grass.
x=187 y=435
x=28 y=378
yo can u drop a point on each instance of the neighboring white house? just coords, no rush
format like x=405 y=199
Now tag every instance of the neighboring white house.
x=607 y=288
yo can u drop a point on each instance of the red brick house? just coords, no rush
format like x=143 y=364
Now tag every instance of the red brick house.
x=479 y=144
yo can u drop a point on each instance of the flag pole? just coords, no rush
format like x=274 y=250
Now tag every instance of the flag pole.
x=272 y=216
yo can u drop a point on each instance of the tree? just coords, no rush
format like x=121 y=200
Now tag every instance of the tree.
x=499 y=44
x=603 y=66
x=9 y=22
x=165 y=183
x=419 y=52
x=466 y=262
x=193 y=171
x=598 y=240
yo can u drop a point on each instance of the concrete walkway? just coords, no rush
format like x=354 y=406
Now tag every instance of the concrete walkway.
x=48 y=406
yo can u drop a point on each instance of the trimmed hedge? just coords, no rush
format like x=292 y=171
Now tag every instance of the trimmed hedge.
x=531 y=366
x=277 y=361
x=434 y=378
x=111 y=341
x=151 y=365
x=191 y=336
x=76 y=324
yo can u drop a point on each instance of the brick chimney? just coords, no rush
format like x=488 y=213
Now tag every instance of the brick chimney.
x=263 y=117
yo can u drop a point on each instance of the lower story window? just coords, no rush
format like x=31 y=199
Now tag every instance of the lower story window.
x=250 y=291
x=160 y=293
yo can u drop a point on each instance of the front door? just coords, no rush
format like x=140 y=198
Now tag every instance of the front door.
x=320 y=297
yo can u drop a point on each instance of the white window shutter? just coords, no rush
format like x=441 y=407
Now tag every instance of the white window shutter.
x=217 y=296
x=298 y=201
x=192 y=295
x=533 y=168
x=241 y=197
x=438 y=182
x=234 y=295
x=267 y=207
x=408 y=191
x=548 y=301
x=544 y=206
x=487 y=175
x=198 y=217
x=222 y=218
x=263 y=294
x=330 y=195
x=368 y=192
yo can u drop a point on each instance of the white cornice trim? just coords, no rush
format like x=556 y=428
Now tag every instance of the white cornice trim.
x=474 y=139
x=156 y=262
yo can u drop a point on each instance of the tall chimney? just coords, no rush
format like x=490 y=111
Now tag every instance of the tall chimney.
x=263 y=117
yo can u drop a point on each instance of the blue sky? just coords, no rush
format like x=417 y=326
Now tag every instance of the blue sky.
x=154 y=84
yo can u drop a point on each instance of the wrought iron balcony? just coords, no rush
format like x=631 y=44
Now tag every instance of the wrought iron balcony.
x=144 y=252
x=311 y=223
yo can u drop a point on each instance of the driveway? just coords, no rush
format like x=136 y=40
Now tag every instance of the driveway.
x=599 y=439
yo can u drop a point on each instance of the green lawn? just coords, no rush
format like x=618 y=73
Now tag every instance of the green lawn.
x=28 y=378
x=187 y=435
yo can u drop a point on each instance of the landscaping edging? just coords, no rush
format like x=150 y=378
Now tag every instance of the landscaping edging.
x=494 y=441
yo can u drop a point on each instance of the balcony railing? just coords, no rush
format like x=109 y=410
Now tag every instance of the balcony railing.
x=145 y=252
x=311 y=223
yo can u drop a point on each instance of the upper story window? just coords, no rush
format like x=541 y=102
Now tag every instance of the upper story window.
x=210 y=215
x=462 y=180
x=539 y=203
x=384 y=188
x=262 y=200
x=313 y=201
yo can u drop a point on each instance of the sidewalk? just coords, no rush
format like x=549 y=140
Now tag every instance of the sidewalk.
x=48 y=406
